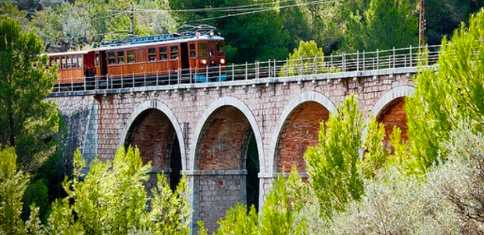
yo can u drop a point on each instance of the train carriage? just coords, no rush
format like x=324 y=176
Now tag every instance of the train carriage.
x=172 y=57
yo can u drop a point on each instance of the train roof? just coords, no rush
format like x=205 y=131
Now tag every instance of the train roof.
x=155 y=40
x=143 y=42
x=68 y=53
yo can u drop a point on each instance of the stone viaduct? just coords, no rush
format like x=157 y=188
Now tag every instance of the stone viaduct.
x=230 y=139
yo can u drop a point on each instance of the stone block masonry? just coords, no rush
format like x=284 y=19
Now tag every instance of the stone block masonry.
x=210 y=123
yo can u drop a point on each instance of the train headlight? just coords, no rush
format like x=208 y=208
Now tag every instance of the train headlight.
x=222 y=61
x=204 y=61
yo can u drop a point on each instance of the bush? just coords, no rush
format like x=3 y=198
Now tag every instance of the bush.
x=333 y=163
x=448 y=96
x=111 y=198
x=13 y=183
x=36 y=194
x=446 y=202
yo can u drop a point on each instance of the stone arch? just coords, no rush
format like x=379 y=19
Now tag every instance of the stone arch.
x=226 y=157
x=154 y=129
x=239 y=105
x=310 y=98
x=390 y=110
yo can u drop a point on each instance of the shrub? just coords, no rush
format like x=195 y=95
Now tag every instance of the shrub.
x=111 y=198
x=445 y=97
x=446 y=202
x=332 y=164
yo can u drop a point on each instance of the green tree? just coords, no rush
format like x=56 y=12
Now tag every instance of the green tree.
x=452 y=94
x=444 y=16
x=333 y=164
x=307 y=58
x=259 y=36
x=111 y=198
x=384 y=25
x=13 y=183
x=28 y=121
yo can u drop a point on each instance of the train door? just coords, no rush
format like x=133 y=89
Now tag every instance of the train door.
x=184 y=56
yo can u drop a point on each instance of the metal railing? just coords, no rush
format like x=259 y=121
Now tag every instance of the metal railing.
x=359 y=61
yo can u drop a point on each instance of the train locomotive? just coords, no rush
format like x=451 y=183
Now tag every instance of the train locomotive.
x=191 y=56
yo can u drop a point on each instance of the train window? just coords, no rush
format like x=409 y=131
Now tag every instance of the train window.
x=131 y=57
x=97 y=60
x=174 y=52
x=58 y=61
x=202 y=50
x=63 y=62
x=120 y=57
x=80 y=62
x=151 y=54
x=111 y=58
x=193 y=52
x=163 y=54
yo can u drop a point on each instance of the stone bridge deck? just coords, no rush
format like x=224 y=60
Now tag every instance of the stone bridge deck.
x=229 y=138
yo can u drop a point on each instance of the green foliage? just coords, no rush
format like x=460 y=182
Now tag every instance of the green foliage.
x=83 y=22
x=280 y=213
x=12 y=186
x=303 y=60
x=13 y=183
x=37 y=193
x=282 y=206
x=446 y=202
x=445 y=97
x=111 y=198
x=375 y=156
x=27 y=120
x=238 y=221
x=443 y=16
x=332 y=164
x=384 y=25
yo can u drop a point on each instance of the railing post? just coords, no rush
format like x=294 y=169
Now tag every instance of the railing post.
x=364 y=61
x=72 y=85
x=85 y=83
x=190 y=74
x=394 y=57
x=357 y=61
x=144 y=79
x=257 y=69
x=377 y=60
x=169 y=76
x=269 y=68
x=132 y=80
x=343 y=62
x=246 y=77
x=233 y=73
x=331 y=60
x=275 y=70
x=178 y=75
x=411 y=58
x=219 y=72
x=157 y=78
x=206 y=73
x=122 y=81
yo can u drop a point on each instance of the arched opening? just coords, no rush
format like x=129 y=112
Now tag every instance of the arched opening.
x=300 y=130
x=394 y=115
x=227 y=162
x=154 y=135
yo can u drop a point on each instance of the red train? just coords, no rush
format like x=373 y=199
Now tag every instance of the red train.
x=152 y=56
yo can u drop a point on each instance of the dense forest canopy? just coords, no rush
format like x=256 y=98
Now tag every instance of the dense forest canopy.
x=253 y=29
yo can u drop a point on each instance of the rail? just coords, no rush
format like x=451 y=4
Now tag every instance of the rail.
x=344 y=62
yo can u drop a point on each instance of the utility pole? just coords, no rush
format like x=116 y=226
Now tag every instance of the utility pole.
x=421 y=24
x=131 y=20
